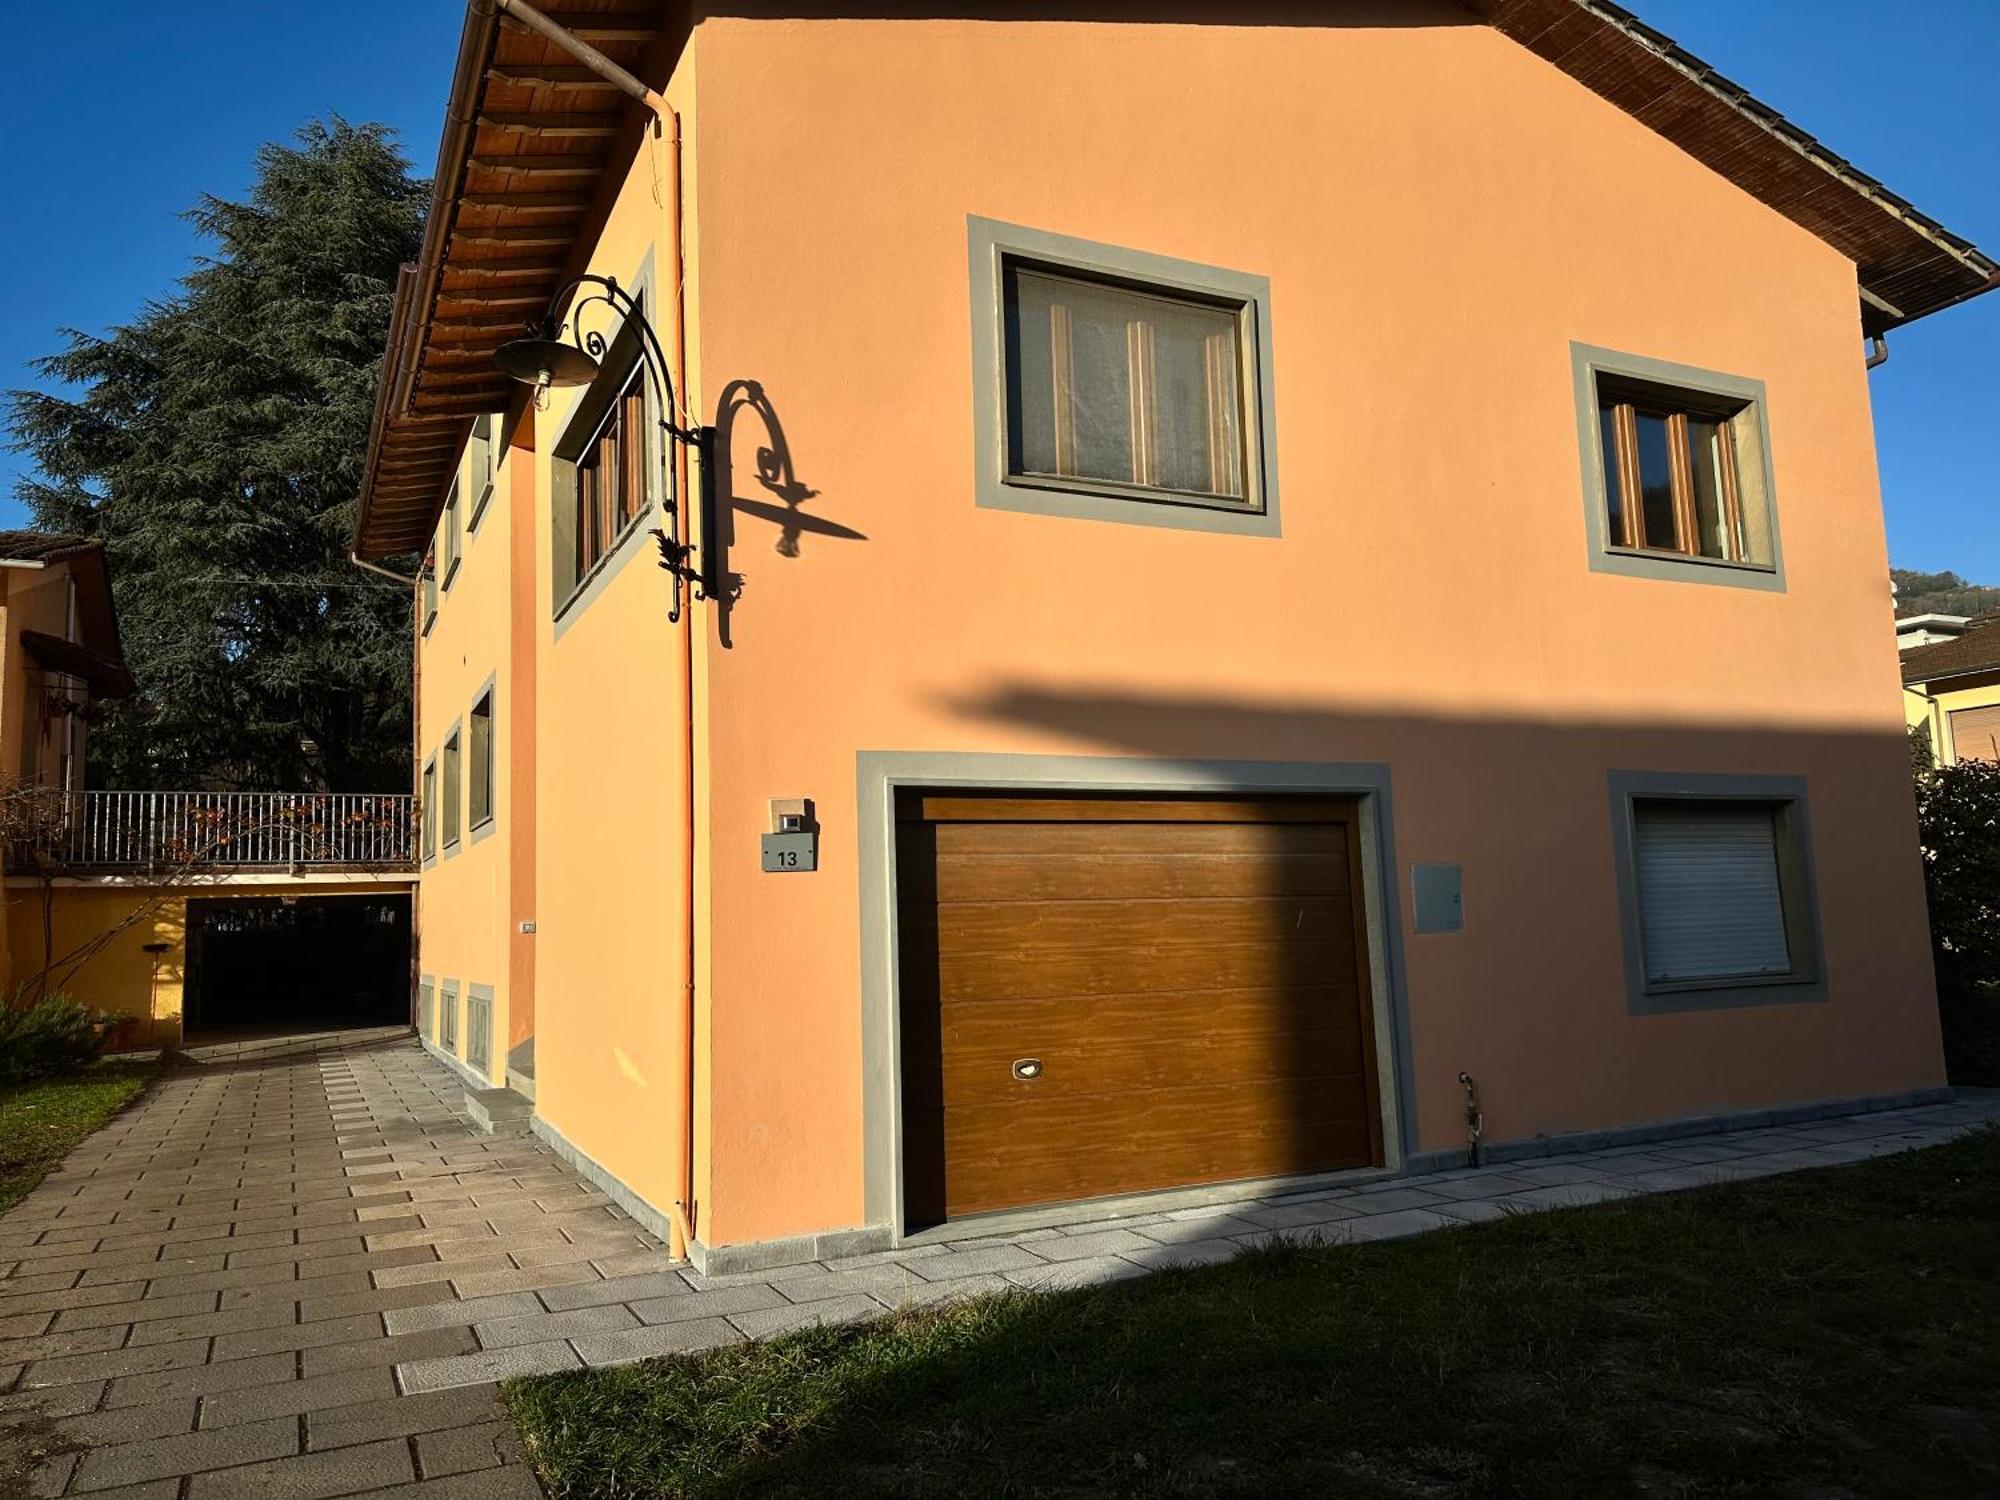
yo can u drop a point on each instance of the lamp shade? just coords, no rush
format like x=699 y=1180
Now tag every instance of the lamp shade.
x=545 y=362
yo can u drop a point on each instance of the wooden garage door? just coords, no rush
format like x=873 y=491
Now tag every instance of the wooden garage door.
x=1184 y=980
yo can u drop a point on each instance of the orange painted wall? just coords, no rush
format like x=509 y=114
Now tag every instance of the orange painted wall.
x=464 y=897
x=1440 y=214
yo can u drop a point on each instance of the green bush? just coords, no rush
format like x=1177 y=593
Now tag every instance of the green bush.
x=1958 y=816
x=50 y=1037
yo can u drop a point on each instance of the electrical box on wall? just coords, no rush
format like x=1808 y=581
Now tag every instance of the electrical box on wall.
x=792 y=845
x=1438 y=898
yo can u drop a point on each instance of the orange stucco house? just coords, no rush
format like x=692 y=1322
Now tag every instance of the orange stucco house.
x=918 y=719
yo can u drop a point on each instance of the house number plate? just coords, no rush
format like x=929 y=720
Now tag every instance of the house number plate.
x=785 y=853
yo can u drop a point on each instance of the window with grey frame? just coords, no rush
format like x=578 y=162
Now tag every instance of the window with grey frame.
x=603 y=473
x=481 y=455
x=451 y=538
x=1124 y=389
x=428 y=810
x=479 y=752
x=450 y=769
x=1722 y=891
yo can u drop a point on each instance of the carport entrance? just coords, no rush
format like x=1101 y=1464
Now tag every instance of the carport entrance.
x=316 y=961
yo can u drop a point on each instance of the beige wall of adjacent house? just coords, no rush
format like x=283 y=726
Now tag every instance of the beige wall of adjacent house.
x=1440 y=215
x=1934 y=704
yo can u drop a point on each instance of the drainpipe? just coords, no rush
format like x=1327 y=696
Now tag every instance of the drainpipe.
x=361 y=562
x=1878 y=351
x=664 y=114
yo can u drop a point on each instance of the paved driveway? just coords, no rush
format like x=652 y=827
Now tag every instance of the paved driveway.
x=293 y=1271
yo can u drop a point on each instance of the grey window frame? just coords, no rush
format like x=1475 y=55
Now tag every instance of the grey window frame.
x=570 y=595
x=428 y=811
x=479 y=1029
x=481 y=447
x=451 y=799
x=448 y=1029
x=993 y=247
x=427 y=1007
x=1587 y=363
x=429 y=580
x=478 y=827
x=451 y=538
x=1798 y=886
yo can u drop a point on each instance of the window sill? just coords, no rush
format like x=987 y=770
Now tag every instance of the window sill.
x=450 y=572
x=430 y=620
x=1131 y=504
x=449 y=850
x=1669 y=987
x=478 y=512
x=1683 y=559
x=481 y=830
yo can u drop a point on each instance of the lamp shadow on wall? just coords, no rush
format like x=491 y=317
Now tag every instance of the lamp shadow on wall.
x=776 y=473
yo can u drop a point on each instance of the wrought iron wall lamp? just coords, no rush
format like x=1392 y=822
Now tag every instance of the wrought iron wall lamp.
x=561 y=352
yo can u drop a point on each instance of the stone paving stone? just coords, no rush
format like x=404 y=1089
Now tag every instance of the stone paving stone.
x=439 y=1270
x=723 y=1302
x=406 y=1415
x=299 y=1336
x=1475 y=1210
x=190 y=1453
x=595 y=1292
x=515 y=1482
x=508 y=1332
x=771 y=1321
x=1566 y=1195
x=928 y=1293
x=130 y=1424
x=374 y=1299
x=30 y=1324
x=1478 y=1185
x=463 y=1450
x=54 y=1345
x=533 y=1279
x=976 y=1262
x=115 y=1362
x=887 y=1281
x=54 y=1400
x=649 y=1343
x=202 y=1380
x=469 y=1311
x=488 y=1364
x=1207 y=1252
x=1103 y=1242
x=366 y=1468
x=296 y=1397
x=1393 y=1226
x=1099 y=1270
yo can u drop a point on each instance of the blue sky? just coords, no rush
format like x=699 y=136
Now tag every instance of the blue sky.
x=131 y=110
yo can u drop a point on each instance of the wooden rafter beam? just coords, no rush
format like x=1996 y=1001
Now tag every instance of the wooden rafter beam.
x=540 y=166
x=529 y=202
x=553 y=124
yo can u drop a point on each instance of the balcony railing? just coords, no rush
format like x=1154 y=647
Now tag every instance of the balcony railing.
x=165 y=832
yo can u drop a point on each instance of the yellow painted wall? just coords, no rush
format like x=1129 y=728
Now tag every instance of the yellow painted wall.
x=1925 y=703
x=463 y=896
x=611 y=763
x=122 y=978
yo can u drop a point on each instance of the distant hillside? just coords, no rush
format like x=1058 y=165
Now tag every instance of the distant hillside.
x=1941 y=594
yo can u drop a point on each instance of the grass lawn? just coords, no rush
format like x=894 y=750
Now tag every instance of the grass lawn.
x=1829 y=1333
x=40 y=1122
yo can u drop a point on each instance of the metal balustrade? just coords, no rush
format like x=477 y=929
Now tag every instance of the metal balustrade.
x=164 y=831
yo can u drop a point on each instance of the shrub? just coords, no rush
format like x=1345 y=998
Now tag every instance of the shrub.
x=1958 y=820
x=54 y=1035
x=1958 y=817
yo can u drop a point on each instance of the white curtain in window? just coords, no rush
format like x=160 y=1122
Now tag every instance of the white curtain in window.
x=1121 y=386
x=1709 y=896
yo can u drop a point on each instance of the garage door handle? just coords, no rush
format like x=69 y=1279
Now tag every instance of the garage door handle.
x=1027 y=1069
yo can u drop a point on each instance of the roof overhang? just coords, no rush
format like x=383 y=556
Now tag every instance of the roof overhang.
x=108 y=676
x=535 y=145
x=1908 y=264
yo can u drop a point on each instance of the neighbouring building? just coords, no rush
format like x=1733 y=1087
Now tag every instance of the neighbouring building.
x=1913 y=631
x=1024 y=804
x=169 y=909
x=1951 y=693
